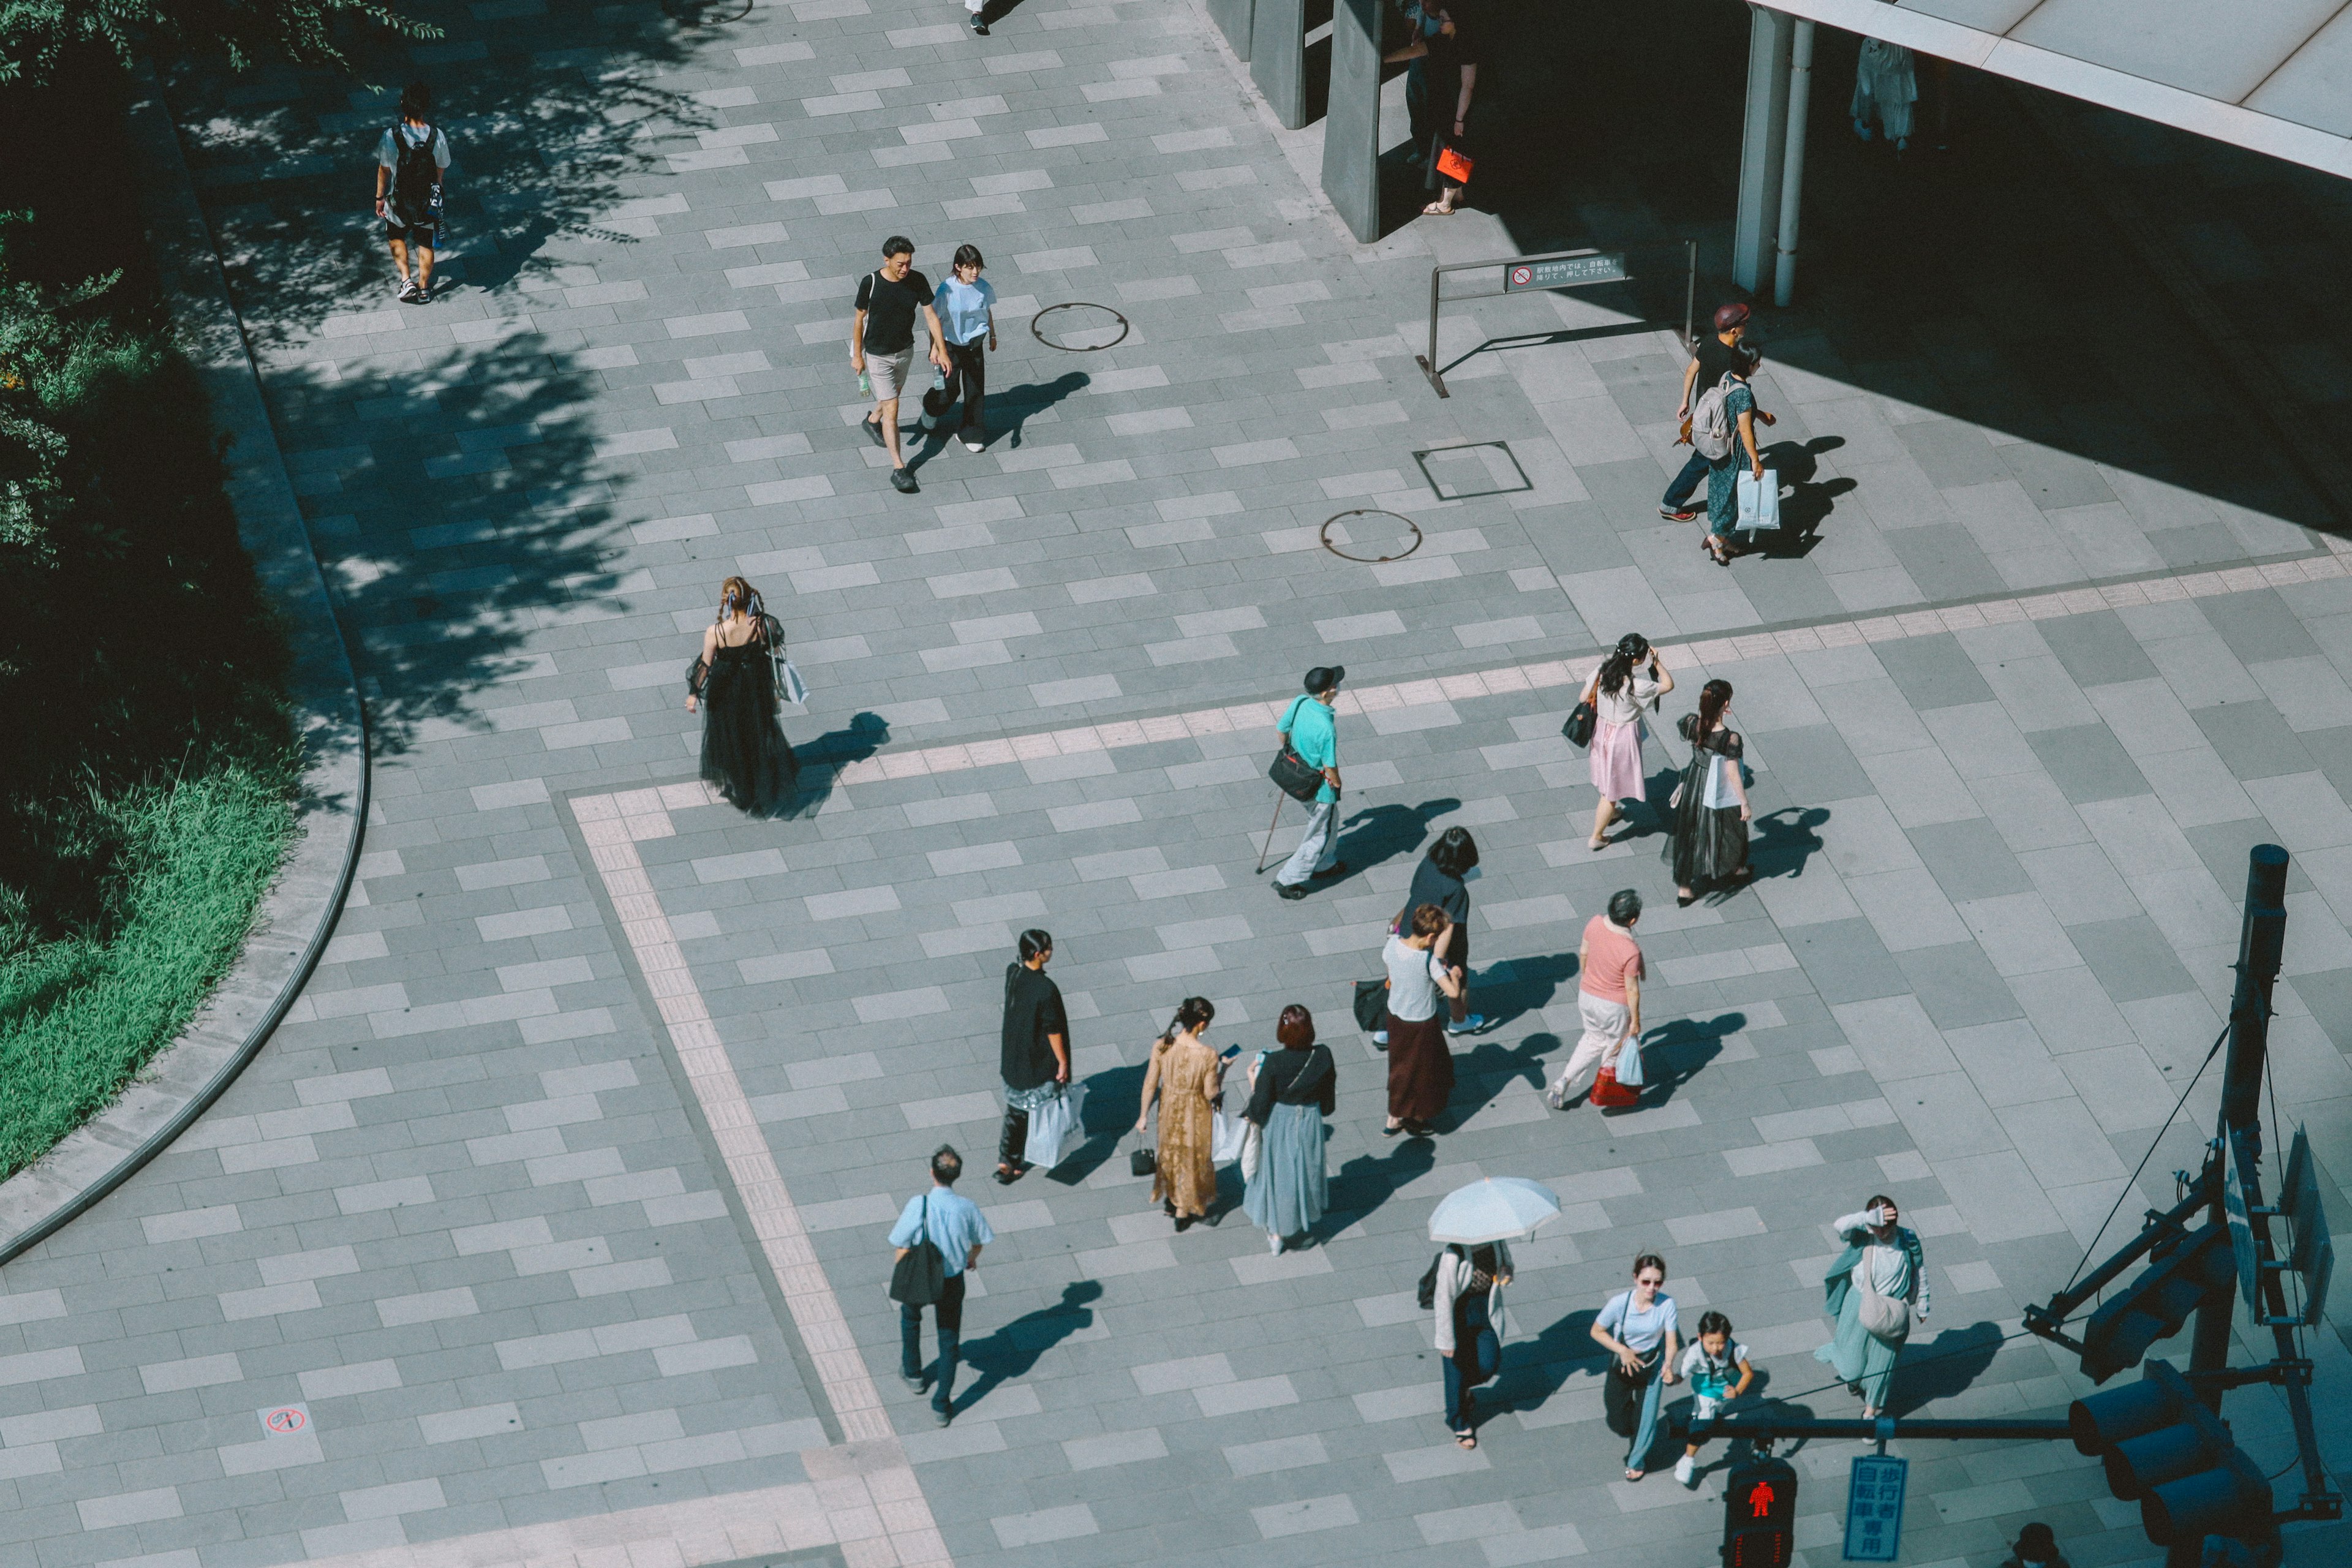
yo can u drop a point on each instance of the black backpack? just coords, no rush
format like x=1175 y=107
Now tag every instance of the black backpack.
x=415 y=179
x=1429 y=1282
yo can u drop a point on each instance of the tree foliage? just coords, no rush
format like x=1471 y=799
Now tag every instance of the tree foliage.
x=34 y=35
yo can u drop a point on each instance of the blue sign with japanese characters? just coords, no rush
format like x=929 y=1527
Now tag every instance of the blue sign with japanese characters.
x=1874 y=1508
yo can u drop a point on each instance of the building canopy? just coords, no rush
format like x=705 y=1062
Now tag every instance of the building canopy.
x=2274 y=76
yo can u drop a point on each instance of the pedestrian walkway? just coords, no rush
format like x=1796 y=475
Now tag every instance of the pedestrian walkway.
x=557 y=1207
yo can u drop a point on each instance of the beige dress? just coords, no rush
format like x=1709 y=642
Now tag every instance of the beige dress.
x=1188 y=1075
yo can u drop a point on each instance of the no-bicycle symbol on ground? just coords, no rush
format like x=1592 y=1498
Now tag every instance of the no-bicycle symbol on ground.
x=285 y=1420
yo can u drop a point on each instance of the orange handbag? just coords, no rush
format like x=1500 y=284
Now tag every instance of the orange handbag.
x=1455 y=166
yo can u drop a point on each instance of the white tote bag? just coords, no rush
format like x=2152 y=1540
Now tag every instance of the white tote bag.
x=789 y=684
x=1759 y=502
x=1226 y=1135
x=1057 y=1127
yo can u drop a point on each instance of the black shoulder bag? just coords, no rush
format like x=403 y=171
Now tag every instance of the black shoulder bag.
x=920 y=1277
x=1289 y=770
x=1581 y=721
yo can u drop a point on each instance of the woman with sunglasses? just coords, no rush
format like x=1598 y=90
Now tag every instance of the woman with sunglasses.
x=1639 y=1329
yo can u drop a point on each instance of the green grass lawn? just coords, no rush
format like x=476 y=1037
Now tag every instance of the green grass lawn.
x=79 y=1017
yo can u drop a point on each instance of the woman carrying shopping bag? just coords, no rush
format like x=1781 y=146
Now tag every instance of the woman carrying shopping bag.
x=1708 y=844
x=1453 y=54
x=1723 y=475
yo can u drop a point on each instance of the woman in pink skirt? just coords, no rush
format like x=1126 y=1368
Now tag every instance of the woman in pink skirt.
x=1628 y=681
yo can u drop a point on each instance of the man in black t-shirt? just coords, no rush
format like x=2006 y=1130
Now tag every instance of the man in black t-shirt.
x=882 y=342
x=1035 y=1059
x=1716 y=352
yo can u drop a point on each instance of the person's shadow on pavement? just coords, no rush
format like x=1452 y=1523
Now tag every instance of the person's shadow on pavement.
x=1487 y=1068
x=1010 y=411
x=1802 y=512
x=1943 y=1368
x=822 y=759
x=1013 y=1349
x=1361 y=1186
x=1673 y=1053
x=1382 y=833
x=1784 y=840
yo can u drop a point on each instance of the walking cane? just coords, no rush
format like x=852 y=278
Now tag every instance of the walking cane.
x=1269 y=835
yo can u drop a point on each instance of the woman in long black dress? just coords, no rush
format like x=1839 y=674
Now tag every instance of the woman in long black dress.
x=1710 y=835
x=743 y=748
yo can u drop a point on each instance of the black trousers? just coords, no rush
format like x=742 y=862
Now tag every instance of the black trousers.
x=967 y=377
x=1012 y=1143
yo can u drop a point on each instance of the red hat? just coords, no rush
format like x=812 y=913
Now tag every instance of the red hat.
x=1729 y=316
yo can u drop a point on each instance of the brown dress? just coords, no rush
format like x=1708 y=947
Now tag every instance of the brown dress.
x=1421 y=1069
x=1188 y=1075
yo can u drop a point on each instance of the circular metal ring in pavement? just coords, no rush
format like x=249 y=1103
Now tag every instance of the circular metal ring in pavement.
x=1077 y=333
x=1407 y=540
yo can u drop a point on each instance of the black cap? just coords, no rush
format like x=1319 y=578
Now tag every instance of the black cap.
x=2036 y=1537
x=1324 y=677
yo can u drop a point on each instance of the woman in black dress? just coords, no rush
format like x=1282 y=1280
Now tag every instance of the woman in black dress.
x=1710 y=805
x=1442 y=879
x=743 y=748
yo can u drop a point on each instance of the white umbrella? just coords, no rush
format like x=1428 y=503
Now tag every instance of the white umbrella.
x=1495 y=1208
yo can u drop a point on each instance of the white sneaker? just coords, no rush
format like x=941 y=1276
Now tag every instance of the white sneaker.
x=975 y=444
x=1273 y=1243
x=399 y=287
x=1381 y=1038
x=1469 y=1025
x=1687 y=1470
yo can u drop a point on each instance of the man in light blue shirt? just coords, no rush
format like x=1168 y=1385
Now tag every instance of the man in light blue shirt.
x=957 y=1227
x=1310 y=729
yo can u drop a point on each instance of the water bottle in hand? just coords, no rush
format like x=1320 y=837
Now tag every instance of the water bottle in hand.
x=865 y=385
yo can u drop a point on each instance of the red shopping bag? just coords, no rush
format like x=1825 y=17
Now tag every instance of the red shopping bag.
x=1608 y=1094
x=1455 y=166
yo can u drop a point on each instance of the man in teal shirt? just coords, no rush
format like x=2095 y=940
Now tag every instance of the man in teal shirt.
x=1312 y=732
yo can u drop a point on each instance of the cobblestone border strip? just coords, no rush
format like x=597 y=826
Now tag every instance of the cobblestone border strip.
x=297 y=914
x=870 y=1501
x=1554 y=673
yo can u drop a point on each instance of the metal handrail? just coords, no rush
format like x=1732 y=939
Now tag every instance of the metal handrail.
x=1436 y=274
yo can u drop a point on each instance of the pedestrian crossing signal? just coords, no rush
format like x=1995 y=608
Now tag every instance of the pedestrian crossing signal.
x=1760 y=1515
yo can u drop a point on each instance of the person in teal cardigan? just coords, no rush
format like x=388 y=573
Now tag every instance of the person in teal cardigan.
x=1896 y=1267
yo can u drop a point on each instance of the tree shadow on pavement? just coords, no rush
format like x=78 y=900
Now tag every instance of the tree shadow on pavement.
x=1014 y=1349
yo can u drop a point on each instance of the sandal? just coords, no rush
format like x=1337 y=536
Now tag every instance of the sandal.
x=1596 y=844
x=1633 y=1475
x=1438 y=209
x=1466 y=1439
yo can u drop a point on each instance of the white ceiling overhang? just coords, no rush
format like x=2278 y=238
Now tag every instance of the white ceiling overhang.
x=2274 y=76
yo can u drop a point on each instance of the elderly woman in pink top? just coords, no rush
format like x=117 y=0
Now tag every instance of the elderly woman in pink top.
x=1628 y=681
x=1608 y=993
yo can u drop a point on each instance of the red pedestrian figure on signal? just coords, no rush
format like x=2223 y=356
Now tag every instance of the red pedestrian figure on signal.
x=1760 y=1500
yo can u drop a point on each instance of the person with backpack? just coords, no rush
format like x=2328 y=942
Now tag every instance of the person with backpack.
x=937 y=1239
x=412 y=177
x=1722 y=427
x=1464 y=1292
x=882 y=345
x=1714 y=353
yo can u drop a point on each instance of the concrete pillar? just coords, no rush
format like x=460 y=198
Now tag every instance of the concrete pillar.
x=1792 y=162
x=1762 y=144
x=1277 y=58
x=1351 y=125
x=1234 y=19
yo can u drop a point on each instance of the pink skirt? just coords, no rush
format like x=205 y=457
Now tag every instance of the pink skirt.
x=1617 y=762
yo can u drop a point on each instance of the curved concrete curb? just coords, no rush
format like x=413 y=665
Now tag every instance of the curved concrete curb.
x=298 y=914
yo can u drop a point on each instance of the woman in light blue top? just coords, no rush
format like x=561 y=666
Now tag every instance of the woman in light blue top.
x=1639 y=1327
x=965 y=305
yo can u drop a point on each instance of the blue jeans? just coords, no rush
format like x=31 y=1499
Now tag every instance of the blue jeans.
x=1685 y=484
x=1476 y=1342
x=948 y=1311
x=1645 y=1433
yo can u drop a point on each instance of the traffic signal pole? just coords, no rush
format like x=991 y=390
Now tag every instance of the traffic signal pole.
x=2261 y=941
x=2260 y=946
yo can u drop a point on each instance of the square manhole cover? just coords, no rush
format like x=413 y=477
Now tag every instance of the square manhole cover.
x=1485 y=468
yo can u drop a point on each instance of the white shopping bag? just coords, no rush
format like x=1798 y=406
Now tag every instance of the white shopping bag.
x=1056 y=1128
x=1629 y=1064
x=789 y=684
x=1760 y=508
x=1226 y=1138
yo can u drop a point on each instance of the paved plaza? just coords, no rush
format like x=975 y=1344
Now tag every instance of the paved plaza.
x=555 y=1210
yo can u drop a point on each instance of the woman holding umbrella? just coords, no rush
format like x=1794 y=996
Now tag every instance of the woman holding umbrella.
x=1465 y=1287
